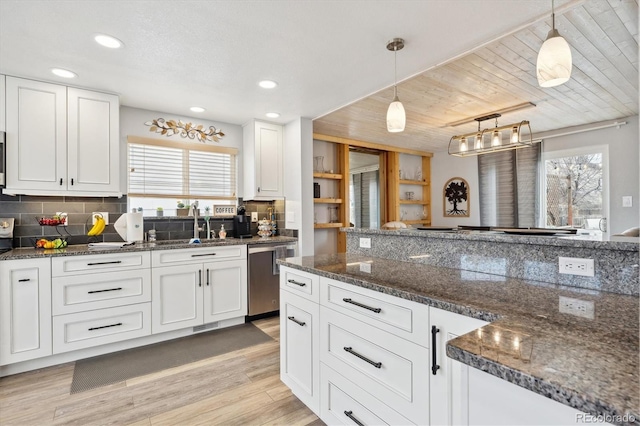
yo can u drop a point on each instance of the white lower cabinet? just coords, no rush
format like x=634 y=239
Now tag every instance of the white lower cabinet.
x=198 y=292
x=299 y=342
x=448 y=395
x=25 y=310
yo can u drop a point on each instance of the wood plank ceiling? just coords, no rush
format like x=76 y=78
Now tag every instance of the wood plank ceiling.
x=603 y=35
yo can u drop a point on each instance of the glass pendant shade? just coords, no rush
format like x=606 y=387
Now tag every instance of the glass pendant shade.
x=515 y=137
x=463 y=145
x=554 y=64
x=396 y=118
x=478 y=142
x=496 y=138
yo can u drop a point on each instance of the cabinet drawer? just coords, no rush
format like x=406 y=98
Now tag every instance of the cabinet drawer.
x=300 y=283
x=87 y=329
x=390 y=368
x=343 y=401
x=88 y=292
x=401 y=317
x=198 y=255
x=74 y=265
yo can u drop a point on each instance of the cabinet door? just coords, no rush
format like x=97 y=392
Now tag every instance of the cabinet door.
x=36 y=136
x=225 y=290
x=3 y=101
x=448 y=393
x=176 y=296
x=299 y=347
x=268 y=160
x=93 y=142
x=25 y=310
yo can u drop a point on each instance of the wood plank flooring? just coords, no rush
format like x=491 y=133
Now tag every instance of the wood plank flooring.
x=237 y=388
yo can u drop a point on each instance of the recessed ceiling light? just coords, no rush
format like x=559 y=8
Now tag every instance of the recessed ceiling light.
x=272 y=115
x=63 y=73
x=108 y=41
x=267 y=84
x=197 y=109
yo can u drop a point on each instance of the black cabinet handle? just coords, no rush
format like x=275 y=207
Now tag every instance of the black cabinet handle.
x=60 y=181
x=71 y=181
x=258 y=189
x=203 y=254
x=434 y=366
x=296 y=283
x=300 y=323
x=105 y=326
x=104 y=263
x=376 y=310
x=24 y=280
x=207 y=277
x=362 y=357
x=353 y=418
x=102 y=291
x=199 y=277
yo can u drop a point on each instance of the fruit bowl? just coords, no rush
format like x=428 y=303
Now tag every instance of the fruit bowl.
x=44 y=243
x=52 y=221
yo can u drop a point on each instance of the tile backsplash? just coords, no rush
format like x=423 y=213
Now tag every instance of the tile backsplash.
x=26 y=210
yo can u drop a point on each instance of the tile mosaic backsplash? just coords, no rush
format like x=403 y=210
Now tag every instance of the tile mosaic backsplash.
x=26 y=210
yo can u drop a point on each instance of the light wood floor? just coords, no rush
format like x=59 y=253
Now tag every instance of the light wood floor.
x=237 y=388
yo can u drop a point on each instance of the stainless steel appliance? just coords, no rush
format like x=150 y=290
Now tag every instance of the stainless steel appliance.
x=6 y=234
x=3 y=159
x=264 y=276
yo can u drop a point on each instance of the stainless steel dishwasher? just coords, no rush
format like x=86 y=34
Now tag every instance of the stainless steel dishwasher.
x=264 y=276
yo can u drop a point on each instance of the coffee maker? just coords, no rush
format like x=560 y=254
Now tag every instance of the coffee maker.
x=6 y=234
x=241 y=224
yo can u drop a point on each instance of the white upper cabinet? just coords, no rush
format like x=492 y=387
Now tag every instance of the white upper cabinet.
x=61 y=140
x=263 y=162
x=3 y=101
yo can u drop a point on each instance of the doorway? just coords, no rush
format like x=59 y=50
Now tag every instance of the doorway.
x=576 y=189
x=365 y=193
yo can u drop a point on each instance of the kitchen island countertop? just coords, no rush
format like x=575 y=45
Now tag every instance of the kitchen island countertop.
x=83 y=249
x=588 y=364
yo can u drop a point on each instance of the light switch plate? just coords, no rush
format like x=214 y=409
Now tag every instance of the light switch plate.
x=627 y=201
x=254 y=216
x=365 y=242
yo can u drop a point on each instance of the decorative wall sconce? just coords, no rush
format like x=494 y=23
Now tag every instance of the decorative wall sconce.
x=186 y=130
x=491 y=140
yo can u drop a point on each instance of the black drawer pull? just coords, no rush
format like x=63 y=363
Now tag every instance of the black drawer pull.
x=199 y=277
x=104 y=263
x=376 y=310
x=296 y=283
x=353 y=418
x=300 y=323
x=71 y=181
x=362 y=357
x=207 y=277
x=105 y=326
x=434 y=365
x=203 y=254
x=24 y=280
x=102 y=291
x=60 y=181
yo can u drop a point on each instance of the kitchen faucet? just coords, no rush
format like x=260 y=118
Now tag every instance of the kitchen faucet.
x=196 y=230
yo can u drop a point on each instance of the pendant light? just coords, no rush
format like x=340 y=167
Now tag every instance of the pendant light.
x=496 y=136
x=553 y=67
x=396 y=117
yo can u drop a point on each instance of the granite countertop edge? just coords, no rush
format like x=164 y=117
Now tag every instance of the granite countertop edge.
x=83 y=249
x=555 y=391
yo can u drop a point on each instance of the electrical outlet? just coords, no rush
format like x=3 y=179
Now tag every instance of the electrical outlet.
x=365 y=242
x=577 y=307
x=105 y=216
x=254 y=216
x=577 y=266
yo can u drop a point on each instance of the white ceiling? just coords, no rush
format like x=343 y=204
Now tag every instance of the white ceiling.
x=324 y=54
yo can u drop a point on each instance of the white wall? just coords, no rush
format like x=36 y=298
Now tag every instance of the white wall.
x=443 y=168
x=624 y=178
x=132 y=124
x=298 y=182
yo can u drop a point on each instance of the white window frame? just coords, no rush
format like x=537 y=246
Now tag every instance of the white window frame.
x=573 y=152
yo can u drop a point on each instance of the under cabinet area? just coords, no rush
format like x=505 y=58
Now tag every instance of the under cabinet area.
x=201 y=286
x=25 y=310
x=61 y=140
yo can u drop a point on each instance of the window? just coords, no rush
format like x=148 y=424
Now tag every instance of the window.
x=575 y=189
x=163 y=172
x=508 y=184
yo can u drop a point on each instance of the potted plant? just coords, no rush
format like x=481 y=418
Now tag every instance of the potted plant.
x=182 y=210
x=159 y=212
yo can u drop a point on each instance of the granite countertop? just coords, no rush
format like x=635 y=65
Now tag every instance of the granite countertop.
x=81 y=249
x=589 y=364
x=579 y=241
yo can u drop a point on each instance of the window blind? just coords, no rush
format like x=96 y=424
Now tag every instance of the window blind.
x=169 y=169
x=508 y=183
